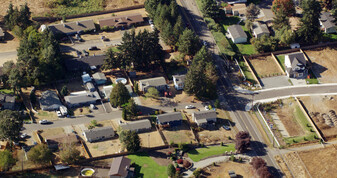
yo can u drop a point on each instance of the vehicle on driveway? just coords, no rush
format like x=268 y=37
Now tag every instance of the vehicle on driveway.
x=93 y=48
x=207 y=108
x=189 y=107
x=43 y=121
x=226 y=127
x=24 y=135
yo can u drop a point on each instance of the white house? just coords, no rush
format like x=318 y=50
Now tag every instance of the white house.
x=296 y=65
x=237 y=34
x=179 y=81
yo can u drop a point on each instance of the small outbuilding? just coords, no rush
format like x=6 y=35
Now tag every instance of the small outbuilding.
x=120 y=168
x=179 y=81
x=237 y=34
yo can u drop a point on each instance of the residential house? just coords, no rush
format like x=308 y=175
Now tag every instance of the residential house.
x=7 y=101
x=86 y=78
x=296 y=65
x=124 y=21
x=54 y=141
x=204 y=117
x=49 y=101
x=239 y=8
x=2 y=34
x=72 y=28
x=158 y=82
x=107 y=90
x=84 y=63
x=82 y=98
x=237 y=34
x=236 y=1
x=99 y=133
x=228 y=10
x=120 y=168
x=137 y=126
x=99 y=78
x=179 y=81
x=327 y=22
x=259 y=29
x=90 y=86
x=171 y=119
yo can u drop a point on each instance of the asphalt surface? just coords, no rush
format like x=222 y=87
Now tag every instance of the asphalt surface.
x=227 y=95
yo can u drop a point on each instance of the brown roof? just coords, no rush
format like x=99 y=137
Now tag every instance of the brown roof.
x=57 y=139
x=120 y=166
x=125 y=20
x=1 y=32
x=72 y=27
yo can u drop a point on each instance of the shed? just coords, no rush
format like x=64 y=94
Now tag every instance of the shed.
x=86 y=78
x=137 y=126
x=172 y=119
x=100 y=133
x=237 y=34
x=99 y=78
x=179 y=81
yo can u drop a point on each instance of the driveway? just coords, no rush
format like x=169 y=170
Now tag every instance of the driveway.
x=274 y=82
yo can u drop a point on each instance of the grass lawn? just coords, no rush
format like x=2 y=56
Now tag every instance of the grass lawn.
x=223 y=43
x=246 y=49
x=247 y=72
x=201 y=153
x=329 y=37
x=313 y=79
x=281 y=59
x=147 y=167
x=7 y=91
x=228 y=21
x=305 y=124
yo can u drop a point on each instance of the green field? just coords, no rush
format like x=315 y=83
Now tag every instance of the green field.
x=66 y=8
x=147 y=167
x=201 y=153
x=247 y=72
x=281 y=59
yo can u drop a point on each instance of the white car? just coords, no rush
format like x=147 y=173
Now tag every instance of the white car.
x=189 y=107
x=43 y=122
x=24 y=135
x=59 y=114
x=207 y=108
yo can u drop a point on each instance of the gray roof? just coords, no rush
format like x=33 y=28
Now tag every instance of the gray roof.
x=157 y=81
x=84 y=97
x=296 y=58
x=72 y=27
x=1 y=32
x=236 y=31
x=259 y=28
x=168 y=117
x=84 y=63
x=136 y=125
x=179 y=78
x=120 y=166
x=327 y=20
x=98 y=132
x=201 y=115
x=49 y=98
x=99 y=76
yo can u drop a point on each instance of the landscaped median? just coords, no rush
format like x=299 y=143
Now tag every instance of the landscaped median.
x=202 y=153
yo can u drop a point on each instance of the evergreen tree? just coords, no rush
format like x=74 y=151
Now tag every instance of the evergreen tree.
x=188 y=43
x=285 y=6
x=171 y=170
x=112 y=60
x=285 y=35
x=119 y=95
x=6 y=160
x=130 y=140
x=280 y=20
x=69 y=154
x=210 y=9
x=40 y=154
x=10 y=125
x=334 y=9
x=64 y=91
x=310 y=31
x=131 y=108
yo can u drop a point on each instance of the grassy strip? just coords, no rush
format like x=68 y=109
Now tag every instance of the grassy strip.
x=281 y=59
x=201 y=153
x=313 y=79
x=7 y=91
x=147 y=167
x=247 y=72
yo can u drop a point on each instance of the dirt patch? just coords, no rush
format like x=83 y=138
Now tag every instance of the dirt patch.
x=324 y=63
x=160 y=156
x=73 y=85
x=283 y=166
x=179 y=134
x=296 y=165
x=318 y=105
x=52 y=132
x=221 y=170
x=266 y=67
x=151 y=139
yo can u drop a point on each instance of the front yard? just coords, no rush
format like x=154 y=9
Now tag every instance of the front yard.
x=202 y=153
x=265 y=67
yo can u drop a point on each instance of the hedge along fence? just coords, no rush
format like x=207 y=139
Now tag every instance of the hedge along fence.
x=252 y=71
x=309 y=118
x=53 y=19
x=278 y=63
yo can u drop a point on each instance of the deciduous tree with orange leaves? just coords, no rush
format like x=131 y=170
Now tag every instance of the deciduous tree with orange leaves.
x=285 y=6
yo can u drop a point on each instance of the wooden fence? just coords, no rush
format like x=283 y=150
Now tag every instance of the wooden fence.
x=252 y=71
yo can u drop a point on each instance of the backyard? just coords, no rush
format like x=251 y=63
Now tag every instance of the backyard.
x=179 y=134
x=265 y=67
x=202 y=153
x=147 y=166
x=151 y=139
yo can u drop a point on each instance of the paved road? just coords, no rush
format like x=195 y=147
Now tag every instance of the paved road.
x=241 y=118
x=7 y=56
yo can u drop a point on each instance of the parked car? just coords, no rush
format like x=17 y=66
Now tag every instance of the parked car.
x=93 y=48
x=150 y=21
x=43 y=122
x=58 y=113
x=189 y=107
x=226 y=127
x=207 y=108
x=104 y=38
x=24 y=135
x=92 y=106
x=85 y=52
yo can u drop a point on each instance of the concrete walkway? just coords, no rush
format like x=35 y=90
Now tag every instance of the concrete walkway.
x=279 y=125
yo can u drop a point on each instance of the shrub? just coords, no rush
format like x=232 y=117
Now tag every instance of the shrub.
x=179 y=161
x=171 y=170
x=232 y=158
x=240 y=160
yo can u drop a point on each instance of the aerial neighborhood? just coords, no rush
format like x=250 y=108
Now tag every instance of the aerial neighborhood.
x=168 y=88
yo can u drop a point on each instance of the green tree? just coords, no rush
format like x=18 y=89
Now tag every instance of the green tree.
x=136 y=88
x=280 y=20
x=130 y=140
x=6 y=160
x=40 y=154
x=334 y=10
x=64 y=91
x=119 y=95
x=210 y=9
x=131 y=108
x=69 y=154
x=112 y=60
x=188 y=42
x=16 y=17
x=10 y=125
x=152 y=93
x=252 y=12
x=124 y=114
x=265 y=43
x=25 y=16
x=94 y=123
x=171 y=170
x=15 y=79
x=217 y=103
x=285 y=6
x=285 y=35
x=309 y=31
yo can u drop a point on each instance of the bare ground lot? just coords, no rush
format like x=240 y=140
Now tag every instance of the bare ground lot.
x=265 y=67
x=221 y=170
x=324 y=63
x=319 y=162
x=180 y=134
x=38 y=7
x=151 y=139
x=318 y=105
